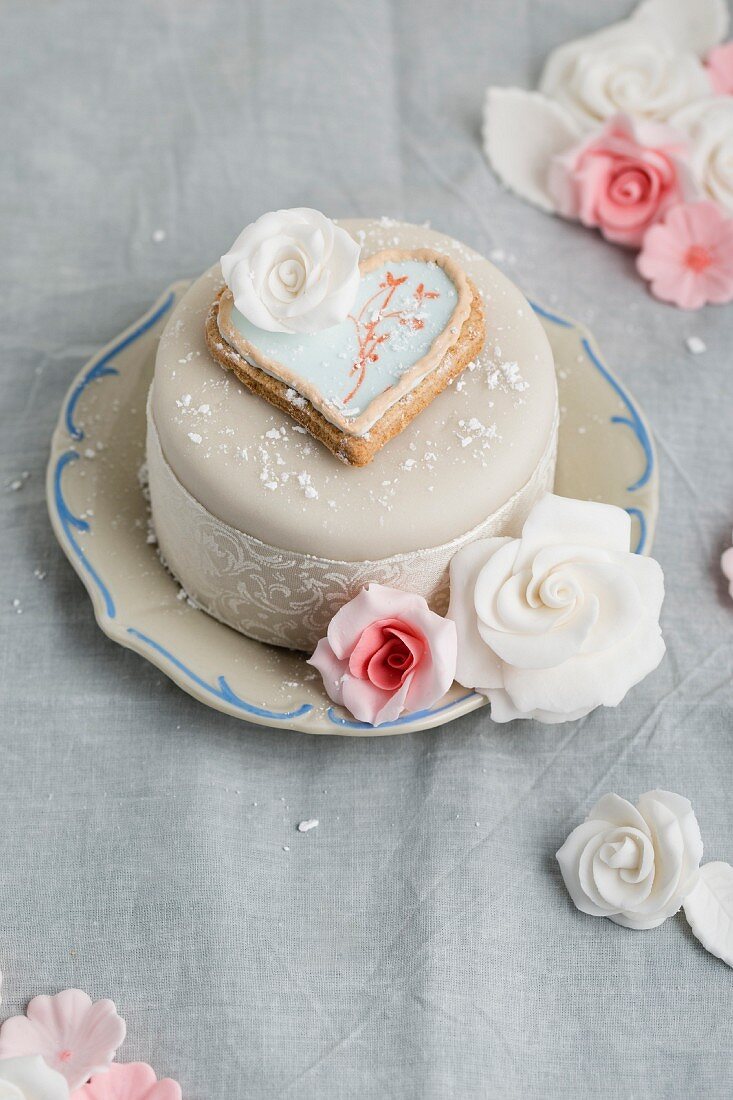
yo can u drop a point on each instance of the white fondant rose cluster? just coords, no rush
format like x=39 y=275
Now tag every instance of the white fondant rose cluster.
x=561 y=620
x=633 y=864
x=628 y=124
x=635 y=68
x=293 y=271
x=646 y=68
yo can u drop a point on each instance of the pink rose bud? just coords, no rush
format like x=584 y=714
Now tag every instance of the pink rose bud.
x=386 y=654
x=622 y=179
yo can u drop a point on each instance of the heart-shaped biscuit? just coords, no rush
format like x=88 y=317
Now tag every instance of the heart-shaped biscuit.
x=415 y=324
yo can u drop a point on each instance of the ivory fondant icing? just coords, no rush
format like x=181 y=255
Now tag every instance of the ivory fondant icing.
x=237 y=487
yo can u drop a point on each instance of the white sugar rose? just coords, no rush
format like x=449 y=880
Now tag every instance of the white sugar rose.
x=708 y=127
x=293 y=271
x=561 y=620
x=635 y=865
x=30 y=1078
x=629 y=68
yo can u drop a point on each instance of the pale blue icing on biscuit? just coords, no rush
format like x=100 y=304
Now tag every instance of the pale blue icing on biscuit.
x=400 y=309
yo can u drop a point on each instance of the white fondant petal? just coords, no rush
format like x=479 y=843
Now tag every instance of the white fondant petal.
x=618 y=812
x=503 y=710
x=709 y=910
x=476 y=666
x=588 y=681
x=618 y=891
x=522 y=132
x=502 y=707
x=692 y=839
x=570 y=858
x=551 y=649
x=648 y=577
x=619 y=603
x=628 y=920
x=669 y=854
x=556 y=521
x=691 y=24
x=30 y=1078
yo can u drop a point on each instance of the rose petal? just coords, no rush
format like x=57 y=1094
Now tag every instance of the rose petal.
x=129 y=1081
x=618 y=812
x=569 y=858
x=522 y=132
x=557 y=520
x=371 y=604
x=709 y=910
x=436 y=671
x=691 y=24
x=588 y=681
x=476 y=666
x=331 y=669
x=682 y=809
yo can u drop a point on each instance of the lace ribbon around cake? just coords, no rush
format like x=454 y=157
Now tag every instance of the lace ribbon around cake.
x=286 y=598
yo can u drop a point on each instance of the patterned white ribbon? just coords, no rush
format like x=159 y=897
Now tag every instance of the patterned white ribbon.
x=287 y=598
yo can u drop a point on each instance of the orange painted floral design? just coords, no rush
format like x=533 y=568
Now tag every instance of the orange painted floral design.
x=370 y=318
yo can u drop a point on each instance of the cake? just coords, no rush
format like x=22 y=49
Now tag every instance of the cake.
x=270 y=532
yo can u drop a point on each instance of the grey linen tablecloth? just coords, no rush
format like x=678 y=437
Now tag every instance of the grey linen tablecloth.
x=419 y=942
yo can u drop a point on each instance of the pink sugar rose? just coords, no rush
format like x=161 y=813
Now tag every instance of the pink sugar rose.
x=621 y=179
x=386 y=653
x=720 y=69
x=688 y=257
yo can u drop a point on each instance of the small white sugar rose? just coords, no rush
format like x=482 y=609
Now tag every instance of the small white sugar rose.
x=708 y=127
x=293 y=271
x=629 y=68
x=635 y=865
x=30 y=1078
x=561 y=620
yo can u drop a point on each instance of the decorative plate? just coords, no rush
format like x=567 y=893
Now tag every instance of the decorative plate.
x=99 y=514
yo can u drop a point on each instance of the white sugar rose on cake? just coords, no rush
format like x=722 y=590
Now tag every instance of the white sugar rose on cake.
x=561 y=620
x=340 y=407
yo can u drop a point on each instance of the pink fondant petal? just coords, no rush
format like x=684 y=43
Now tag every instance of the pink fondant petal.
x=371 y=604
x=74 y=1036
x=129 y=1081
x=720 y=69
x=375 y=636
x=717 y=285
x=331 y=669
x=389 y=665
x=701 y=220
x=434 y=675
x=364 y=700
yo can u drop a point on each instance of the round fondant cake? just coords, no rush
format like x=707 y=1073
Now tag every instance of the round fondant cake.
x=269 y=523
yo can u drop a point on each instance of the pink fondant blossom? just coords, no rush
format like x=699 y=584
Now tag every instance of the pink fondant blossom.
x=720 y=69
x=688 y=258
x=621 y=179
x=726 y=564
x=73 y=1035
x=386 y=653
x=131 y=1081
